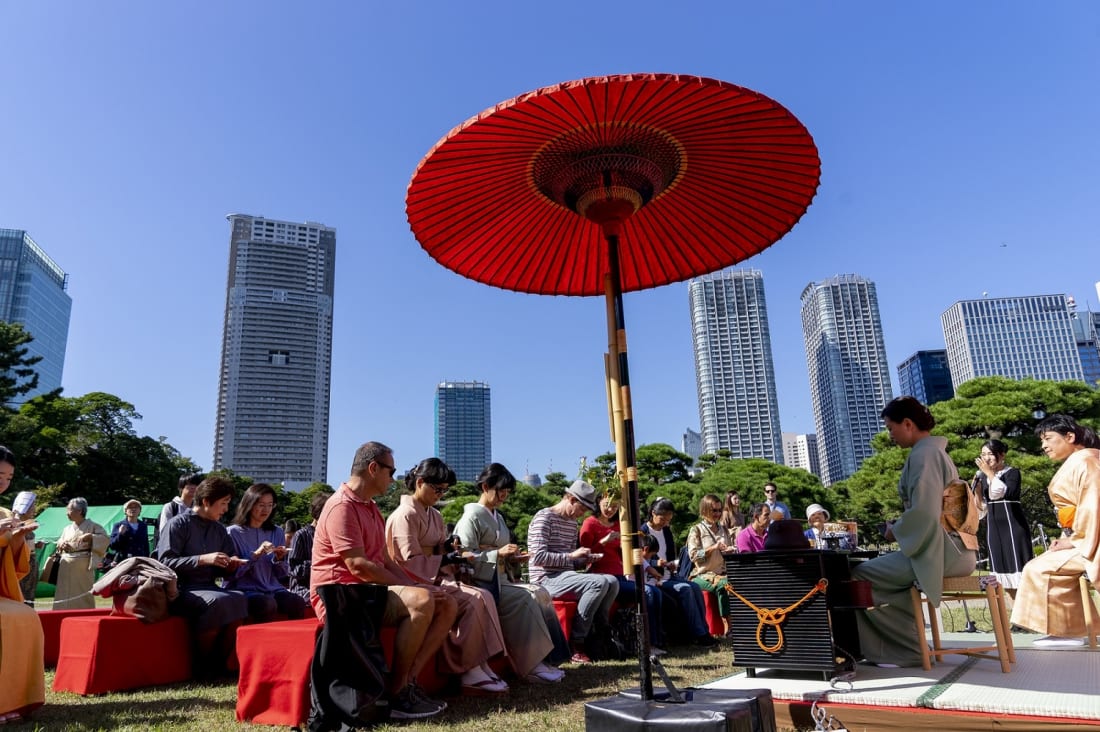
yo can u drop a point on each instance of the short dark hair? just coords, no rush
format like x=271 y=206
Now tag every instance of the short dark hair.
x=7 y=456
x=254 y=493
x=907 y=407
x=212 y=489
x=757 y=508
x=190 y=479
x=368 y=453
x=663 y=505
x=317 y=504
x=291 y=526
x=430 y=470
x=995 y=446
x=496 y=477
x=651 y=543
x=1064 y=424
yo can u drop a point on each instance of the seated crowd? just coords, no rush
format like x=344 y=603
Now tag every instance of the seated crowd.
x=457 y=599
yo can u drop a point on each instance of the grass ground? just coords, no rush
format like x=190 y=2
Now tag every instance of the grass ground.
x=211 y=707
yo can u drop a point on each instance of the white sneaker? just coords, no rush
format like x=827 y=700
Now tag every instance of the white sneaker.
x=1056 y=641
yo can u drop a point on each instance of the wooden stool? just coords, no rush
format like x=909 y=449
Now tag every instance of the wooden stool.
x=967 y=588
x=1089 y=608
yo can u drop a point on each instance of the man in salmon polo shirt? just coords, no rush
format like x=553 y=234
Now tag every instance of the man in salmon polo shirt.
x=349 y=547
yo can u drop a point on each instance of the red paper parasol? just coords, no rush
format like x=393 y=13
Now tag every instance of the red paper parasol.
x=613 y=184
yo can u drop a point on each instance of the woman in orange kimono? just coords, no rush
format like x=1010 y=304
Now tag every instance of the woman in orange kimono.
x=416 y=539
x=22 y=671
x=1048 y=599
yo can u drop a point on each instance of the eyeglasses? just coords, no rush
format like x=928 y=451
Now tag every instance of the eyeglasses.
x=391 y=468
x=769 y=490
x=265 y=505
x=716 y=510
x=439 y=488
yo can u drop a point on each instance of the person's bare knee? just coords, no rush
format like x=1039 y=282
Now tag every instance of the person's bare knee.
x=420 y=603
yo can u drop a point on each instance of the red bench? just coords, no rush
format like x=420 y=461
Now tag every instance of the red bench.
x=97 y=654
x=275 y=658
x=51 y=628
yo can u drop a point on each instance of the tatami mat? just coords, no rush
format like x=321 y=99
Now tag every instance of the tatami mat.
x=1062 y=684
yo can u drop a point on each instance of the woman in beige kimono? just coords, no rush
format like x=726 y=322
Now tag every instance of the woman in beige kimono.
x=416 y=539
x=83 y=544
x=22 y=684
x=1048 y=600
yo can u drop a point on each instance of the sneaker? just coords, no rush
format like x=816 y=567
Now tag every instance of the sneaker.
x=1055 y=641
x=406 y=705
x=422 y=695
x=580 y=659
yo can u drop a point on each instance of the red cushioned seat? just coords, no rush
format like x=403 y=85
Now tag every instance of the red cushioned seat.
x=97 y=654
x=566 y=610
x=51 y=628
x=714 y=617
x=274 y=683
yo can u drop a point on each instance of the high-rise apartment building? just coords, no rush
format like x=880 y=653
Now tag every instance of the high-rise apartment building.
x=273 y=395
x=32 y=293
x=800 y=451
x=1086 y=331
x=463 y=427
x=925 y=375
x=1015 y=337
x=691 y=443
x=849 y=376
x=734 y=371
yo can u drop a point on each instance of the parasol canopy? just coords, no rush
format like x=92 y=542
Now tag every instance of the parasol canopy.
x=702 y=173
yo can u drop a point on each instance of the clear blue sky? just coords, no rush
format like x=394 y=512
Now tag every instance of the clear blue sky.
x=959 y=146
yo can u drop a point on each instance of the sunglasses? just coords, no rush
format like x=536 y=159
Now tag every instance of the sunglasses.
x=391 y=468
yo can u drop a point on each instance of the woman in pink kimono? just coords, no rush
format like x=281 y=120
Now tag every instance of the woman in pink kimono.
x=1048 y=599
x=417 y=540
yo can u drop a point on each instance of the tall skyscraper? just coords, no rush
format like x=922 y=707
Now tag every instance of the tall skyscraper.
x=925 y=375
x=734 y=372
x=32 y=293
x=1015 y=337
x=463 y=427
x=849 y=376
x=273 y=395
x=800 y=451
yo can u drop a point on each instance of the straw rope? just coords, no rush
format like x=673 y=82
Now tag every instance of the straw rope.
x=775 y=618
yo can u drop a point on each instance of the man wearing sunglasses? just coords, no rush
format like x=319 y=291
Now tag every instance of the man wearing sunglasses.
x=349 y=548
x=773 y=503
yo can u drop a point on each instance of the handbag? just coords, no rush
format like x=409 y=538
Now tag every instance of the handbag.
x=49 y=569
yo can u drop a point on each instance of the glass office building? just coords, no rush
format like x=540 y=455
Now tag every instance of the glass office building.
x=1015 y=337
x=734 y=371
x=463 y=427
x=273 y=392
x=849 y=376
x=925 y=375
x=33 y=294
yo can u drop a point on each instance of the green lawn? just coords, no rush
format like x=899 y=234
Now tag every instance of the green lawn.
x=210 y=707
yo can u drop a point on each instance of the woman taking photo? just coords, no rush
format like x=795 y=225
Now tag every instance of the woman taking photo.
x=526 y=612
x=686 y=596
x=1007 y=534
x=22 y=684
x=416 y=539
x=600 y=533
x=264 y=576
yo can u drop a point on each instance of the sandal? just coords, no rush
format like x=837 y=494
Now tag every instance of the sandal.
x=487 y=687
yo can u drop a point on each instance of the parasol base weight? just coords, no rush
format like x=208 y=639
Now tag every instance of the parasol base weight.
x=704 y=710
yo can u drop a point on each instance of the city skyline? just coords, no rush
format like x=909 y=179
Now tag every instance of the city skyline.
x=938 y=184
x=274 y=384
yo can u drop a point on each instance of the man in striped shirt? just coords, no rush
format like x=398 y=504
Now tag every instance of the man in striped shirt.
x=555 y=557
